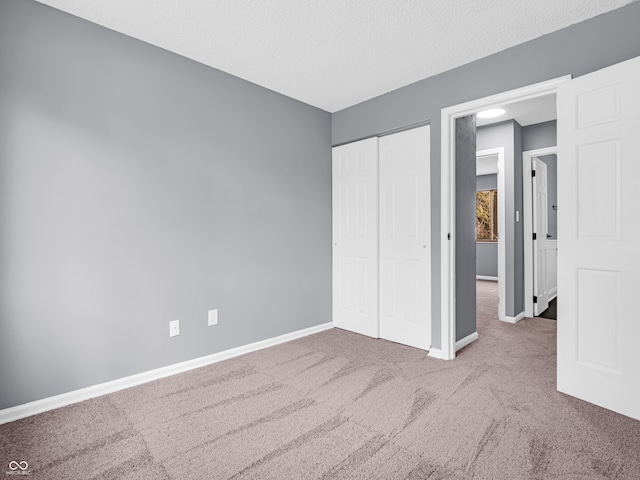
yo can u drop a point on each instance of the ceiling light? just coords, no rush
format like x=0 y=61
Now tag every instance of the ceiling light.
x=492 y=113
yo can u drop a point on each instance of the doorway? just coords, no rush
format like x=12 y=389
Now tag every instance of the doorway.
x=448 y=199
x=598 y=144
x=540 y=244
x=490 y=245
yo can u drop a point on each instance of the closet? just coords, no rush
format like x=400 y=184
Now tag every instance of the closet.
x=381 y=237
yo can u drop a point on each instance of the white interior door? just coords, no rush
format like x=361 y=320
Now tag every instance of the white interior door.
x=355 y=237
x=405 y=248
x=599 y=228
x=540 y=233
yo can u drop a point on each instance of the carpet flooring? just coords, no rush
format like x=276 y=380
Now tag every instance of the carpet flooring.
x=337 y=405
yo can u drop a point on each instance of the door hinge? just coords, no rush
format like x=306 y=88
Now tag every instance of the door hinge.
x=535 y=237
x=535 y=299
x=533 y=173
x=448 y=236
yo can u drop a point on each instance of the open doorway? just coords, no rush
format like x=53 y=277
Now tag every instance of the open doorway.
x=531 y=199
x=540 y=195
x=597 y=148
x=513 y=224
x=489 y=220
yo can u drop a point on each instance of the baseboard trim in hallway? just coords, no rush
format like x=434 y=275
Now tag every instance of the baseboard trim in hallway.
x=32 y=408
x=515 y=319
x=487 y=278
x=463 y=342
x=435 y=353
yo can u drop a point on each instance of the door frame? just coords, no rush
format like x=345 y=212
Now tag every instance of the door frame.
x=502 y=214
x=448 y=201
x=527 y=217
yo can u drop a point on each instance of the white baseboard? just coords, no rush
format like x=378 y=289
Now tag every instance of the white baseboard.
x=484 y=277
x=435 y=353
x=463 y=342
x=32 y=408
x=553 y=293
x=515 y=319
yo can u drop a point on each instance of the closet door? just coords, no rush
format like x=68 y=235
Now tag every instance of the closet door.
x=405 y=246
x=355 y=237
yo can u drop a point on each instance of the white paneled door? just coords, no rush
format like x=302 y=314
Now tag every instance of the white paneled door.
x=381 y=237
x=599 y=232
x=541 y=230
x=405 y=248
x=355 y=237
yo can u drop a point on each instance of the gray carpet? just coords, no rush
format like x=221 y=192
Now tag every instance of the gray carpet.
x=337 y=405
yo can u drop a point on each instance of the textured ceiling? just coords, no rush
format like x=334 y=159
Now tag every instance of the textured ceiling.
x=335 y=53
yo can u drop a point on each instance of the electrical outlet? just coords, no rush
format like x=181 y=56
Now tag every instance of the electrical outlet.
x=174 y=328
x=213 y=317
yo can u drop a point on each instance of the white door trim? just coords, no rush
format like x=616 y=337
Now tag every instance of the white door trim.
x=502 y=215
x=527 y=218
x=447 y=222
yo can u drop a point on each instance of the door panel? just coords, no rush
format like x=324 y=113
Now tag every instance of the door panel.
x=596 y=342
x=599 y=171
x=541 y=229
x=598 y=262
x=355 y=237
x=405 y=282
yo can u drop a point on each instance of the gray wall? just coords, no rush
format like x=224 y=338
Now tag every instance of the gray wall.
x=487 y=252
x=487 y=259
x=487 y=182
x=138 y=187
x=540 y=135
x=465 y=238
x=518 y=234
x=577 y=50
x=505 y=134
x=544 y=135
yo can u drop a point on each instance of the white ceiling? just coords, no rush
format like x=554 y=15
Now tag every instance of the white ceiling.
x=526 y=112
x=335 y=53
